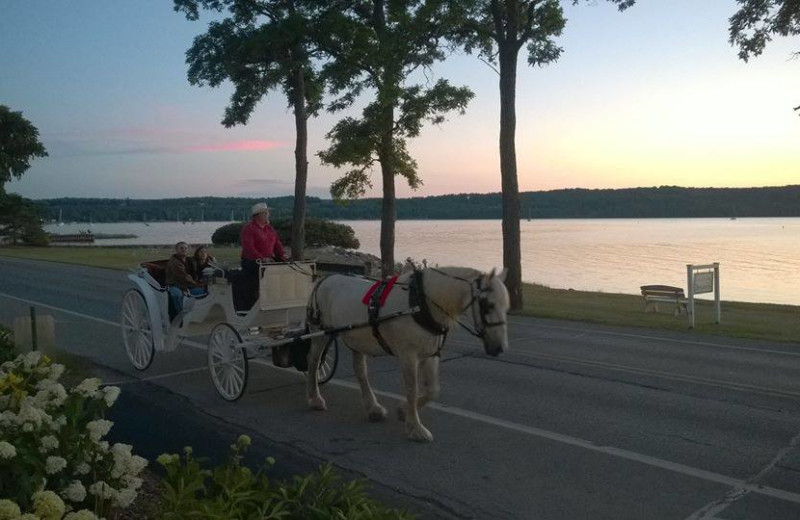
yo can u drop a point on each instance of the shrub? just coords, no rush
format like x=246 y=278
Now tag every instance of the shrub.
x=318 y=233
x=227 y=235
x=234 y=491
x=52 y=456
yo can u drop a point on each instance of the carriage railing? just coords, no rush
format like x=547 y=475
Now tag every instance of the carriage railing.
x=285 y=285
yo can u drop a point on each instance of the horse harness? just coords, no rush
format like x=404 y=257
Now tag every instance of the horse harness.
x=419 y=309
x=417 y=303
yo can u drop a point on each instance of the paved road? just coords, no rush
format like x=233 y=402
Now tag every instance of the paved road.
x=576 y=421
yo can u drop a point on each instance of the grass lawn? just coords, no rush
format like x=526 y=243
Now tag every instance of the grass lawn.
x=739 y=319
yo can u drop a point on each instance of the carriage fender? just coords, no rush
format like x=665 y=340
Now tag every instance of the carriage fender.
x=153 y=309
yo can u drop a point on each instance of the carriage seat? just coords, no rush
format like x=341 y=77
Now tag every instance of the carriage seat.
x=157 y=269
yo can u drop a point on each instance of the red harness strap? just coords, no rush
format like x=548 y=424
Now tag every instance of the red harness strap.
x=389 y=283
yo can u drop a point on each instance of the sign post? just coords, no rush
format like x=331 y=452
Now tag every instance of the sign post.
x=702 y=279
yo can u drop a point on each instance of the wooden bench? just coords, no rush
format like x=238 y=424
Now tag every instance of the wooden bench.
x=655 y=294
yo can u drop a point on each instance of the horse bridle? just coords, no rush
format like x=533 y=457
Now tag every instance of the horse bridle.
x=478 y=294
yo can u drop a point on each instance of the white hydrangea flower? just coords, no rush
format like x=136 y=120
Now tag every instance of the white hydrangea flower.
x=9 y=510
x=30 y=413
x=97 y=429
x=83 y=514
x=8 y=418
x=31 y=359
x=28 y=516
x=125 y=497
x=88 y=387
x=131 y=482
x=59 y=422
x=27 y=427
x=83 y=469
x=102 y=490
x=136 y=464
x=48 y=506
x=48 y=443
x=54 y=464
x=56 y=370
x=110 y=394
x=75 y=492
x=244 y=440
x=166 y=459
x=7 y=450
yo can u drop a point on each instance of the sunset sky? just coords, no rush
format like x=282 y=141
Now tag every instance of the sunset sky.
x=648 y=97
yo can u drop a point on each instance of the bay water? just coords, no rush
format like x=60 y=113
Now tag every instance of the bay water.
x=759 y=257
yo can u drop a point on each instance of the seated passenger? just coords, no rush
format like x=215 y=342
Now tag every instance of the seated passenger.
x=199 y=261
x=179 y=281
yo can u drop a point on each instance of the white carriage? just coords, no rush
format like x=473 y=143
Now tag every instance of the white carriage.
x=276 y=322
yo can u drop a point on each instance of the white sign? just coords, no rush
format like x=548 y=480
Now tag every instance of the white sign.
x=703 y=282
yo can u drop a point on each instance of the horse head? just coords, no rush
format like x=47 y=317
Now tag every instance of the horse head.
x=489 y=311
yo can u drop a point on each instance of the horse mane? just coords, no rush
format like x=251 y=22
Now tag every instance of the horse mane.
x=439 y=288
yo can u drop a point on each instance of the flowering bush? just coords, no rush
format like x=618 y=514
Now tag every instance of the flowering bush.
x=234 y=491
x=53 y=458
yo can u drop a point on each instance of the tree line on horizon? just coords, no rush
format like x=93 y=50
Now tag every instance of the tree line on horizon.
x=660 y=202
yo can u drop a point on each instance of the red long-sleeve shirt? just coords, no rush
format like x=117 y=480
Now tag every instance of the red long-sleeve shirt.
x=261 y=242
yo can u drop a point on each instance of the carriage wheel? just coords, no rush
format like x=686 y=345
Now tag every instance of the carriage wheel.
x=227 y=362
x=329 y=361
x=137 y=331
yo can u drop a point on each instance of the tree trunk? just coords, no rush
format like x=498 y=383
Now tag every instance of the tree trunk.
x=512 y=256
x=389 y=202
x=300 y=165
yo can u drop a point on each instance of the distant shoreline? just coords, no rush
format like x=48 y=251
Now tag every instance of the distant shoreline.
x=632 y=203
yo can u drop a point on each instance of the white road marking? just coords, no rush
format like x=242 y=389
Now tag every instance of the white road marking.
x=516 y=427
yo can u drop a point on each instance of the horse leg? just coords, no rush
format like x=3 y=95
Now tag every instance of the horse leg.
x=315 y=399
x=429 y=384
x=375 y=411
x=414 y=428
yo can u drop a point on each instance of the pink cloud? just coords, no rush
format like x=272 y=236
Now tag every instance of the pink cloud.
x=238 y=146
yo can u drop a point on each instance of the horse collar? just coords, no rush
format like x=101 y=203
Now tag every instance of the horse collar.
x=417 y=298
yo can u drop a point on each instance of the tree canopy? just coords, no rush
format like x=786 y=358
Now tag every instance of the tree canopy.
x=19 y=144
x=375 y=47
x=263 y=45
x=757 y=21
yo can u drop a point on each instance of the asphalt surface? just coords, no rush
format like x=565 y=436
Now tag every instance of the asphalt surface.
x=575 y=421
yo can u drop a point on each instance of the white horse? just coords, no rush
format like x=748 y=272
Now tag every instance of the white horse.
x=413 y=323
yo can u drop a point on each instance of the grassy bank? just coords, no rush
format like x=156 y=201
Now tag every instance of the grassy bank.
x=739 y=319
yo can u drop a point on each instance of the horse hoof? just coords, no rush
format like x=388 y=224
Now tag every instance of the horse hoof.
x=401 y=414
x=317 y=404
x=420 y=434
x=377 y=414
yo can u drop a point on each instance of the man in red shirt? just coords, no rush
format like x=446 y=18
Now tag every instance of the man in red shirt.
x=259 y=241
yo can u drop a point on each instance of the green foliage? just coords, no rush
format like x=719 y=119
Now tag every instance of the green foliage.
x=19 y=220
x=52 y=456
x=19 y=143
x=318 y=233
x=227 y=235
x=234 y=491
x=757 y=21
x=260 y=47
x=376 y=46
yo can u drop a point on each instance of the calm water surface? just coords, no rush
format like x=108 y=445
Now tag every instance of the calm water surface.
x=760 y=258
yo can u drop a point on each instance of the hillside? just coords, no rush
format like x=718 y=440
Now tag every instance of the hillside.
x=661 y=202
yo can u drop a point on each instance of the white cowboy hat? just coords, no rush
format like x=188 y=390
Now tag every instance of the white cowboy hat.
x=259 y=207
